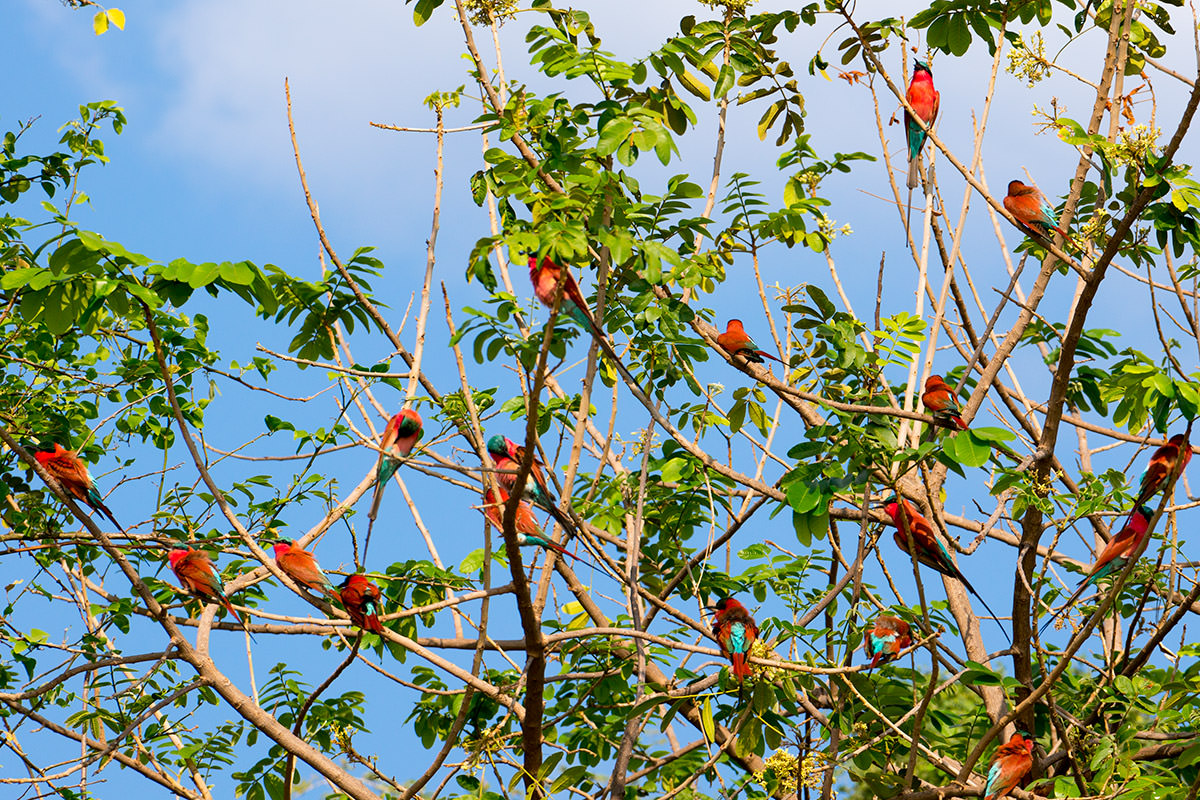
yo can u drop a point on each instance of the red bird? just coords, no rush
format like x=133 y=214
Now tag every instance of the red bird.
x=66 y=467
x=1010 y=763
x=1030 y=208
x=927 y=548
x=887 y=637
x=300 y=565
x=1115 y=555
x=1167 y=462
x=735 y=342
x=360 y=597
x=939 y=398
x=735 y=632
x=924 y=100
x=546 y=276
x=402 y=433
x=526 y=525
x=195 y=570
x=507 y=456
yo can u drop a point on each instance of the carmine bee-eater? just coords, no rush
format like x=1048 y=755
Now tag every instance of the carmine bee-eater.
x=360 y=597
x=942 y=404
x=887 y=637
x=736 y=342
x=196 y=571
x=735 y=632
x=302 y=567
x=1030 y=208
x=1115 y=555
x=1010 y=763
x=927 y=548
x=924 y=100
x=73 y=475
x=402 y=433
x=1168 y=461
x=526 y=525
x=546 y=275
x=507 y=456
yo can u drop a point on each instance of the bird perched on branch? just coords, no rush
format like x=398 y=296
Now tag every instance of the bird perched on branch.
x=942 y=403
x=198 y=575
x=302 y=567
x=735 y=632
x=72 y=473
x=925 y=545
x=736 y=342
x=1030 y=208
x=1168 y=461
x=886 y=638
x=507 y=456
x=1010 y=763
x=546 y=276
x=924 y=100
x=361 y=599
x=527 y=529
x=1115 y=555
x=402 y=433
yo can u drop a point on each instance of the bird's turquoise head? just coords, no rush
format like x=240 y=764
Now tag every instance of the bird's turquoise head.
x=497 y=445
x=921 y=66
x=1146 y=511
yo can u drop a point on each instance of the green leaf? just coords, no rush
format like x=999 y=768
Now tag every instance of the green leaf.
x=965 y=449
x=993 y=434
x=674 y=469
x=979 y=675
x=239 y=274
x=472 y=563
x=958 y=35
x=1189 y=756
x=706 y=720
x=768 y=118
x=724 y=81
x=690 y=81
x=423 y=10
x=811 y=525
x=27 y=277
x=614 y=134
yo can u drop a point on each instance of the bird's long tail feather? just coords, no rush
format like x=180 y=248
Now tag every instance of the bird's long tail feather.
x=979 y=597
x=241 y=621
x=773 y=358
x=104 y=510
x=558 y=548
x=562 y=519
x=95 y=501
x=741 y=667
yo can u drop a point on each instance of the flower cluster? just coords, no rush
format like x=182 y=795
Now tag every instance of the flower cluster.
x=482 y=12
x=1133 y=145
x=1027 y=60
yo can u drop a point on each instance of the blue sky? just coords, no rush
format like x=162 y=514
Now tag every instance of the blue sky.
x=205 y=171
